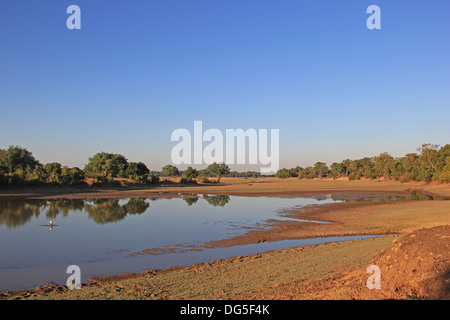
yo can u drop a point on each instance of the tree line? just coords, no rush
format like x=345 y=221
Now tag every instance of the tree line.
x=431 y=163
x=18 y=166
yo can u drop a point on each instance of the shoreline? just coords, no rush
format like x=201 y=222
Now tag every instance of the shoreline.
x=264 y=186
x=115 y=279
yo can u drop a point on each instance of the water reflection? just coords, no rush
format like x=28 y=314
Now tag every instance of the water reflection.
x=214 y=200
x=412 y=196
x=15 y=213
x=110 y=210
x=190 y=200
x=51 y=225
x=217 y=200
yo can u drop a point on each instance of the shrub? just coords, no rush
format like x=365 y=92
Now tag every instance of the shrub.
x=185 y=180
x=154 y=179
x=283 y=173
x=204 y=180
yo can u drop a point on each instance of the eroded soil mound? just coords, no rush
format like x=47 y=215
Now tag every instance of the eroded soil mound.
x=416 y=266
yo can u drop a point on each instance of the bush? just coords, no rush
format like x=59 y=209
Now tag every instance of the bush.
x=154 y=179
x=444 y=176
x=204 y=180
x=185 y=180
x=283 y=173
x=404 y=177
x=354 y=176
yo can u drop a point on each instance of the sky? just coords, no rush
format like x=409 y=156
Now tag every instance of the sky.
x=139 y=69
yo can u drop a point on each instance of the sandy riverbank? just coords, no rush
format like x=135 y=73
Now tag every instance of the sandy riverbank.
x=234 y=186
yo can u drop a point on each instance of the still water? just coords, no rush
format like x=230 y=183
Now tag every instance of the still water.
x=109 y=236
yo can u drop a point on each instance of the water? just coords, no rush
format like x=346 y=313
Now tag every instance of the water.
x=108 y=236
x=412 y=196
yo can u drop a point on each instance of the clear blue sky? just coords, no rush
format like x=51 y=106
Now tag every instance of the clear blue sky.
x=137 y=70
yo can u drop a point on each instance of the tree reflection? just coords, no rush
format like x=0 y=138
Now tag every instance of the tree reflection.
x=109 y=210
x=190 y=200
x=105 y=210
x=217 y=200
x=16 y=213
x=413 y=195
x=419 y=195
x=137 y=206
x=62 y=207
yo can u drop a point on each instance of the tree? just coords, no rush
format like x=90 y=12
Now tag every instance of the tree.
x=409 y=167
x=308 y=173
x=16 y=158
x=53 y=171
x=170 y=171
x=444 y=175
x=71 y=175
x=442 y=159
x=427 y=161
x=189 y=175
x=354 y=170
x=427 y=154
x=294 y=172
x=218 y=169
x=320 y=169
x=137 y=171
x=384 y=165
x=337 y=169
x=300 y=172
x=106 y=166
x=283 y=173
x=367 y=169
x=37 y=175
x=361 y=168
x=346 y=164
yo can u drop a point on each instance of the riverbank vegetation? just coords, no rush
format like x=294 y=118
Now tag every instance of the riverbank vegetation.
x=432 y=163
x=18 y=167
